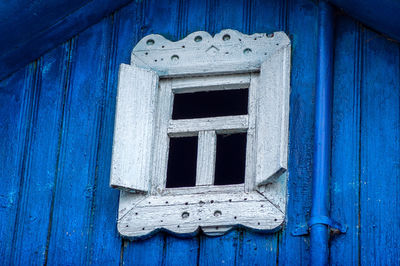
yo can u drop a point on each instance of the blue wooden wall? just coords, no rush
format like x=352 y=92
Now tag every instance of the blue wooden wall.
x=56 y=128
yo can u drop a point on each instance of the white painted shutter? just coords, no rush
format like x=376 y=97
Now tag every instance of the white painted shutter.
x=134 y=129
x=273 y=117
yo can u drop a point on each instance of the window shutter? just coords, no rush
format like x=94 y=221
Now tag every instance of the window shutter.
x=273 y=117
x=134 y=128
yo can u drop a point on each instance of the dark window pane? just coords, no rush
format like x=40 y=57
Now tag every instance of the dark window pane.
x=182 y=162
x=210 y=104
x=231 y=159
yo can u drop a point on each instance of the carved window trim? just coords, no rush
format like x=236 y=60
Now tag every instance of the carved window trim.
x=159 y=68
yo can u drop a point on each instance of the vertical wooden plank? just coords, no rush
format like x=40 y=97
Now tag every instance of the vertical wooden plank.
x=223 y=15
x=145 y=252
x=107 y=249
x=227 y=15
x=136 y=21
x=206 y=155
x=220 y=250
x=302 y=19
x=380 y=149
x=267 y=16
x=41 y=162
x=190 y=16
x=161 y=17
x=194 y=16
x=258 y=249
x=346 y=141
x=76 y=185
x=261 y=249
x=15 y=108
x=180 y=251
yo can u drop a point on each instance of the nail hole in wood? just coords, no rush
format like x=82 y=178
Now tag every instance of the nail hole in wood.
x=174 y=58
x=226 y=37
x=247 y=51
x=217 y=213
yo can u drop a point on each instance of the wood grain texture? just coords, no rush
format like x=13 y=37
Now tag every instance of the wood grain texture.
x=346 y=141
x=40 y=175
x=272 y=117
x=225 y=124
x=380 y=147
x=15 y=112
x=160 y=17
x=199 y=53
x=148 y=253
x=135 y=129
x=211 y=83
x=221 y=15
x=72 y=218
x=213 y=212
x=301 y=124
x=220 y=250
x=188 y=248
x=378 y=79
x=206 y=155
x=144 y=104
x=259 y=249
x=105 y=203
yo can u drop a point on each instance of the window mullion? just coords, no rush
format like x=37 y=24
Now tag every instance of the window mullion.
x=224 y=124
x=206 y=154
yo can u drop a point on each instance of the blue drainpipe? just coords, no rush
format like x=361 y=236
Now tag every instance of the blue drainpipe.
x=319 y=222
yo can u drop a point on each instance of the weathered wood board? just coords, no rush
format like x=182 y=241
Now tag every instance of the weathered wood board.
x=75 y=86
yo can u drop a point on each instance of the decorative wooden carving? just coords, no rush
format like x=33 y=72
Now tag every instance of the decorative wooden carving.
x=159 y=69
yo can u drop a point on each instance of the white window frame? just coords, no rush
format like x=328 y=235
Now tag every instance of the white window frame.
x=158 y=70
